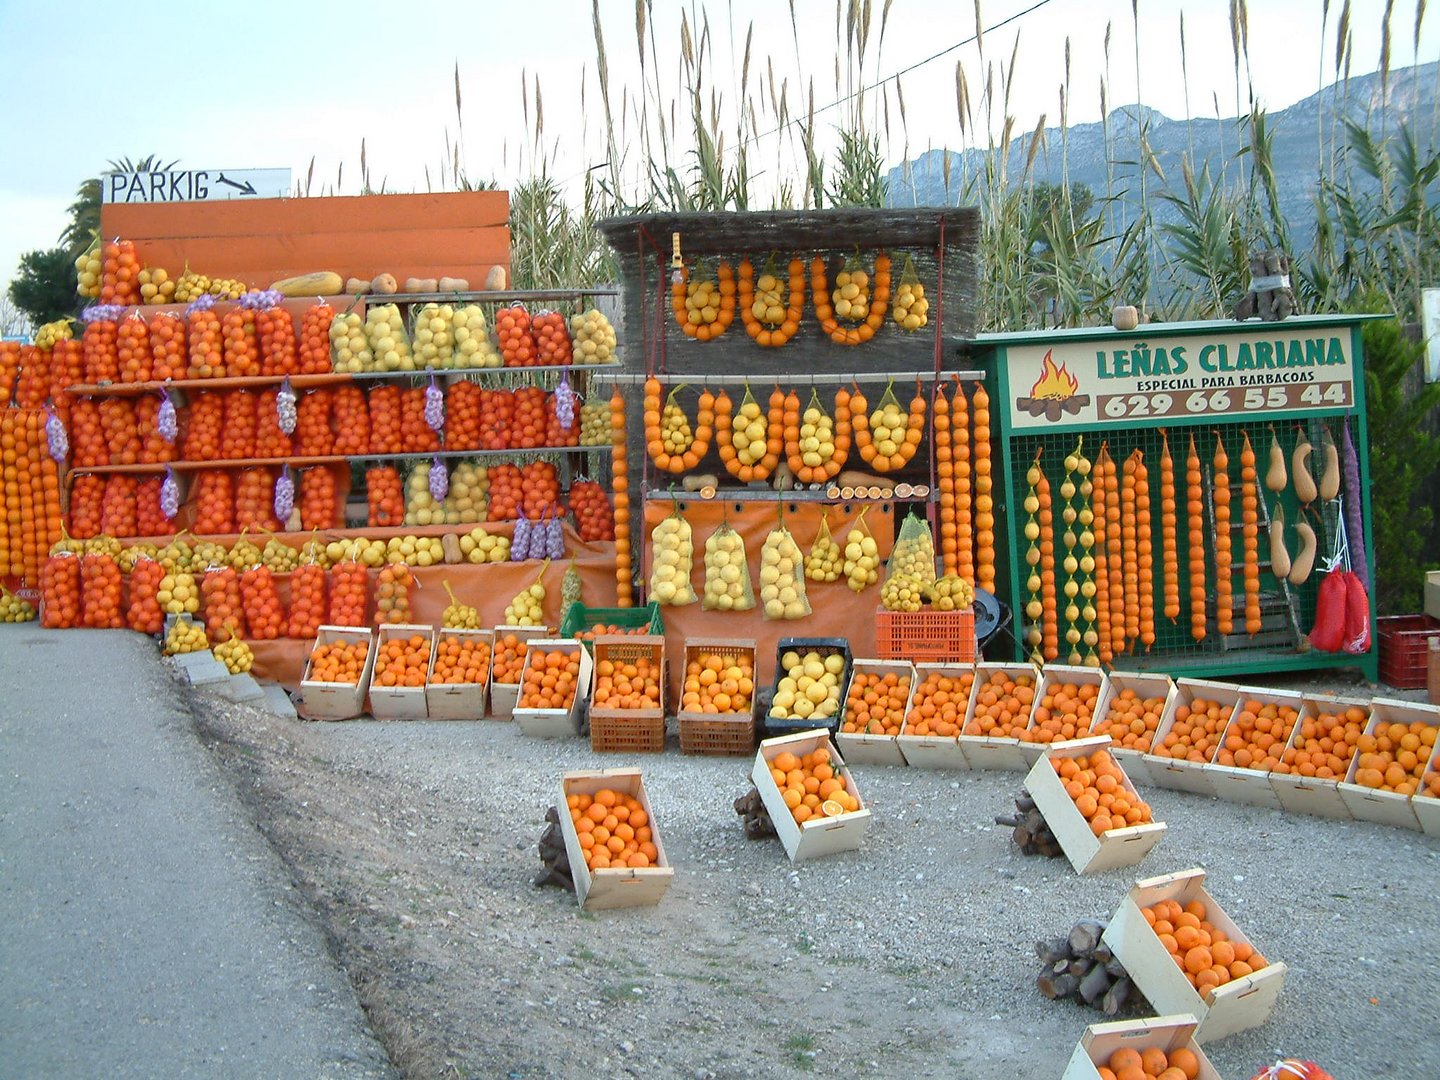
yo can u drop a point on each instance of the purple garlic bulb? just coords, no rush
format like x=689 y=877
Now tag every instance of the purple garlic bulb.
x=434 y=406
x=439 y=481
x=102 y=313
x=284 y=496
x=204 y=302
x=555 y=538
x=165 y=421
x=520 y=542
x=57 y=438
x=169 y=496
x=285 y=414
x=565 y=403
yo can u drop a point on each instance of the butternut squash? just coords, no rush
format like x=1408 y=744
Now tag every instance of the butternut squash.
x=356 y=286
x=320 y=283
x=453 y=284
x=1300 y=472
x=1305 y=560
x=1279 y=557
x=1330 y=477
x=497 y=280
x=422 y=285
x=384 y=284
x=1275 y=475
x=695 y=481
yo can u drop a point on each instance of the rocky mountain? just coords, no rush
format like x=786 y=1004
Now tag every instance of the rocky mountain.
x=1109 y=161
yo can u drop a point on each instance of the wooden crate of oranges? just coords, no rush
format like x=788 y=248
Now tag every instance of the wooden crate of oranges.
x=459 y=679
x=1129 y=710
x=616 y=856
x=1156 y=1048
x=935 y=716
x=1317 y=758
x=1390 y=760
x=402 y=662
x=1189 y=735
x=810 y=794
x=337 y=673
x=551 y=688
x=875 y=708
x=1187 y=956
x=1000 y=707
x=717 y=697
x=1253 y=744
x=627 y=693
x=1097 y=816
x=507 y=665
x=1065 y=701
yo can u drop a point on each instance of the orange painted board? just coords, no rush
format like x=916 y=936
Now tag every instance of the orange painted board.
x=363 y=213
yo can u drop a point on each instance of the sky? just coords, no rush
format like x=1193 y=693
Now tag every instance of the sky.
x=277 y=85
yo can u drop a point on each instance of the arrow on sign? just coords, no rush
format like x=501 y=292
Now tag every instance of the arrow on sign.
x=246 y=188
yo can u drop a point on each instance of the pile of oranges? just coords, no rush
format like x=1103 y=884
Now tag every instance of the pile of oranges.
x=402 y=662
x=1325 y=744
x=718 y=682
x=1395 y=756
x=1131 y=722
x=1202 y=951
x=1096 y=784
x=876 y=703
x=939 y=705
x=461 y=659
x=1258 y=735
x=551 y=679
x=1152 y=1063
x=339 y=662
x=614 y=830
x=509 y=659
x=1064 y=711
x=811 y=786
x=1002 y=706
x=601 y=629
x=1196 y=732
x=633 y=684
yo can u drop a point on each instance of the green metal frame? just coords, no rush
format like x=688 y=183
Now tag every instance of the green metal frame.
x=993 y=348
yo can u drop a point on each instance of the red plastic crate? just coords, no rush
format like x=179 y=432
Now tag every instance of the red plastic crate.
x=1404 y=640
x=926 y=637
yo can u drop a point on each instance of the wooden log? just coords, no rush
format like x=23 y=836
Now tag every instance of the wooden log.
x=1050 y=950
x=1115 y=968
x=1086 y=935
x=1114 y=999
x=1024 y=803
x=1056 y=986
x=1013 y=821
x=1102 y=953
x=1080 y=966
x=1095 y=984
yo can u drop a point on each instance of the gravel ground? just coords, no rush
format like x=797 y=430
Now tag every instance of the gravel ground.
x=913 y=956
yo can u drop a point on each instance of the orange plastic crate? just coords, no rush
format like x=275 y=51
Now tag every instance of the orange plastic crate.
x=926 y=637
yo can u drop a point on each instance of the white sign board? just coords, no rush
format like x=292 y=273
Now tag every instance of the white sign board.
x=1431 y=329
x=194 y=185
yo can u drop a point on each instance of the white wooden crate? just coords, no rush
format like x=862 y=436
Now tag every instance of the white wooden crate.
x=934 y=751
x=399 y=702
x=338 y=701
x=861 y=748
x=612 y=887
x=1146 y=685
x=555 y=723
x=458 y=701
x=1180 y=775
x=1315 y=795
x=818 y=836
x=988 y=751
x=1371 y=804
x=1168 y=1033
x=1250 y=785
x=504 y=696
x=1051 y=676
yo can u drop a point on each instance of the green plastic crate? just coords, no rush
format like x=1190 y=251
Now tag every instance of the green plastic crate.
x=578 y=617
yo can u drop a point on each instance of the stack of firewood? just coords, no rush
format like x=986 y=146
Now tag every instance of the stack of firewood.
x=554 y=860
x=1081 y=966
x=757 y=819
x=1031 y=833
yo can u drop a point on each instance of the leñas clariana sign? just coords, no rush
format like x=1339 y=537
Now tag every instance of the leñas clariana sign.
x=1084 y=383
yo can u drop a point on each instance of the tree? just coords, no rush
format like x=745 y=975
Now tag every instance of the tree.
x=13 y=322
x=44 y=289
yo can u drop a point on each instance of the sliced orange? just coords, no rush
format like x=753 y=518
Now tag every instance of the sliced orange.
x=831 y=808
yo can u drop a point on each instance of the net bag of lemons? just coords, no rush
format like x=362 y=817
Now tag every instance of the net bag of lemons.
x=672 y=549
x=727 y=572
x=910 y=573
x=782 y=577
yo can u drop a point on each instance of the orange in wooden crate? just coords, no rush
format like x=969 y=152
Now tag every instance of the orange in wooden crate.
x=461 y=660
x=1201 y=950
x=1131 y=722
x=402 y=662
x=1324 y=744
x=810 y=786
x=509 y=659
x=1063 y=712
x=1096 y=784
x=1152 y=1063
x=1002 y=707
x=1196 y=731
x=339 y=662
x=940 y=704
x=614 y=830
x=1394 y=756
x=633 y=684
x=719 y=683
x=1258 y=735
x=876 y=703
x=550 y=679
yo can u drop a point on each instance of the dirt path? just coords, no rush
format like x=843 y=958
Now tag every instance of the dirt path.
x=417 y=844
